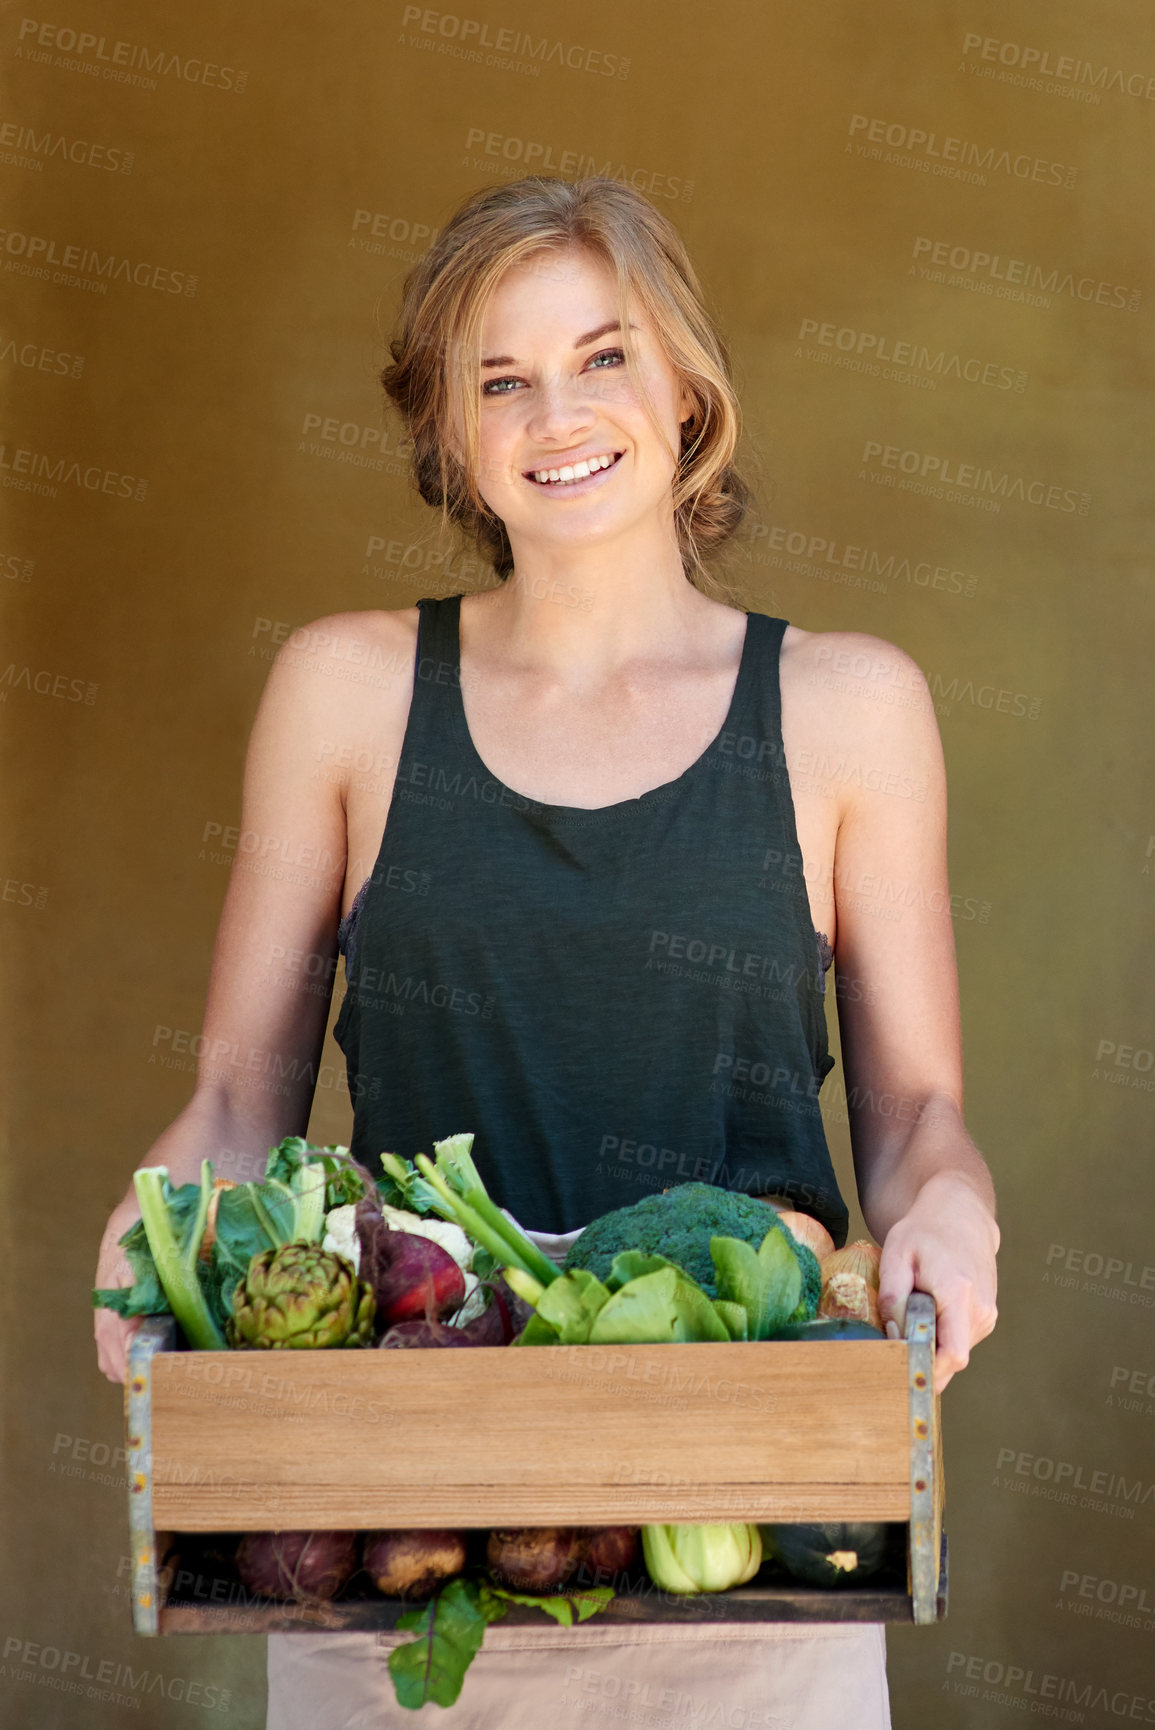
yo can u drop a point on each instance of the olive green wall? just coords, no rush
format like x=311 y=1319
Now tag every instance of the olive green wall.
x=972 y=181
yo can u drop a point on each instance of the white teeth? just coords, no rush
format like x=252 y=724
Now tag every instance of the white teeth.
x=576 y=472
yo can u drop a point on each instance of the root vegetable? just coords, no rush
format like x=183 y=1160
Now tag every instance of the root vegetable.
x=609 y=1550
x=305 y=1566
x=412 y=1277
x=412 y=1563
x=535 y=1558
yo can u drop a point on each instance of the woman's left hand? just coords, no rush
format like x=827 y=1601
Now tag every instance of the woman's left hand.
x=945 y=1245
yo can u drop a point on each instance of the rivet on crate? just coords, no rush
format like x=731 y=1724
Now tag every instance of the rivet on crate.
x=139 y=1483
x=921 y=1429
x=138 y=1384
x=920 y=1485
x=134 y=1441
x=920 y=1380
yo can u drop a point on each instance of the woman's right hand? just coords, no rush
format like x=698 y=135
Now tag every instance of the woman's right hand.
x=113 y=1333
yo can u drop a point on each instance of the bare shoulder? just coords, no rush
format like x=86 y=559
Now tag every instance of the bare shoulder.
x=344 y=662
x=862 y=696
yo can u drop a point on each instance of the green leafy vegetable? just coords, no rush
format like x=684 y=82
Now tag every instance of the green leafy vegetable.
x=571 y=1306
x=174 y=1237
x=766 y=1283
x=450 y=1628
x=463 y=1197
x=701 y=1558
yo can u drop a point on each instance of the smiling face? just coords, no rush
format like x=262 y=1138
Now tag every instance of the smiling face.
x=568 y=454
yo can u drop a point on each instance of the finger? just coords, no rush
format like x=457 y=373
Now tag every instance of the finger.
x=895 y=1284
x=952 y=1341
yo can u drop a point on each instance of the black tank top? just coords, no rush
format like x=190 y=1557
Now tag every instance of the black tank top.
x=613 y=1000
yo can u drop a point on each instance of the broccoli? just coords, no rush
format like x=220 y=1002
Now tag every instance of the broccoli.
x=679 y=1224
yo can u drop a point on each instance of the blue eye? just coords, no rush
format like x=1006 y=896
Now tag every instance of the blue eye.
x=614 y=354
x=490 y=386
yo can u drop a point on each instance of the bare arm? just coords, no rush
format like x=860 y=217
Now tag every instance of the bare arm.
x=275 y=955
x=925 y=1190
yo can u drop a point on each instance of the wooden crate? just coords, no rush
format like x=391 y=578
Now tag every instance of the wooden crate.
x=224 y=1442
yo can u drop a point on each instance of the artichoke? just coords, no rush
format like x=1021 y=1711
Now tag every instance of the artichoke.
x=300 y=1297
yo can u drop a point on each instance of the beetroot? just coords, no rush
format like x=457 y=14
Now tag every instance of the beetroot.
x=412 y=1563
x=412 y=1277
x=306 y=1566
x=609 y=1551
x=534 y=1558
x=423 y=1335
x=495 y=1326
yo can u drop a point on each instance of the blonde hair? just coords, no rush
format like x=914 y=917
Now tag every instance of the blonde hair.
x=435 y=380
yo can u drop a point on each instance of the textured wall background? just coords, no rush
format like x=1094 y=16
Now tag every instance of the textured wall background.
x=926 y=231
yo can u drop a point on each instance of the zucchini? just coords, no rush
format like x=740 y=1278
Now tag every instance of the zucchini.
x=826 y=1328
x=838 y=1553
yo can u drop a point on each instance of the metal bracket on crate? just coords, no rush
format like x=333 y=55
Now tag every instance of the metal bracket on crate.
x=155 y=1334
x=925 y=1459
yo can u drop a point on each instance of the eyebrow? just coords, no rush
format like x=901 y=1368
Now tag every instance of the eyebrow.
x=582 y=342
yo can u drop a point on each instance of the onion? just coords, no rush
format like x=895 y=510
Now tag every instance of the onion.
x=809 y=1231
x=850 y=1296
x=860 y=1257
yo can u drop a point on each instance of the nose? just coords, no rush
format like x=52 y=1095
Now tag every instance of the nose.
x=562 y=413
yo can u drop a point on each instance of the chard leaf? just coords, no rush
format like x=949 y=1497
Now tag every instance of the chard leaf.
x=450 y=1629
x=695 y=1317
x=655 y=1308
x=537 y=1332
x=145 y=1296
x=342 y=1183
x=571 y=1304
x=630 y=1264
x=565 y=1608
x=766 y=1282
x=733 y=1317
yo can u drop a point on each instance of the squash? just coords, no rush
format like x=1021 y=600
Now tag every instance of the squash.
x=828 y=1328
x=838 y=1553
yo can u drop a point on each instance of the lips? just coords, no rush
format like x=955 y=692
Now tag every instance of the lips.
x=572 y=473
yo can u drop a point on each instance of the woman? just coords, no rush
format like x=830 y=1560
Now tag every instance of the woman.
x=628 y=825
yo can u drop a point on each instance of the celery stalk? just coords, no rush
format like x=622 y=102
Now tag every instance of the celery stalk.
x=176 y=1267
x=484 y=1221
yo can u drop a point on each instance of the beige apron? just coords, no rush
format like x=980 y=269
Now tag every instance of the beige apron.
x=729 y=1676
x=774 y=1676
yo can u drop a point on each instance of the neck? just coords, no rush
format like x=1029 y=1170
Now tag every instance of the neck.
x=585 y=614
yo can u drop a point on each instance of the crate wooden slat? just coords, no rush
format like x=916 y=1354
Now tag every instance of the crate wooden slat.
x=492 y=1436
x=775 y=1431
